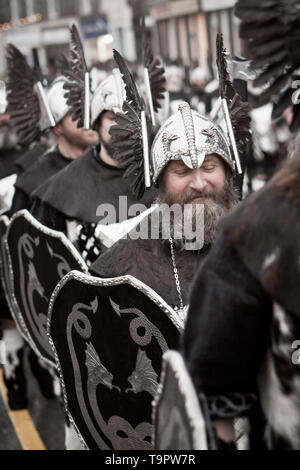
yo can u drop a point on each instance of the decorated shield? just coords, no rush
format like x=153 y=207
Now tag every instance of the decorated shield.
x=38 y=259
x=109 y=336
x=179 y=423
x=7 y=191
x=5 y=279
x=4 y=221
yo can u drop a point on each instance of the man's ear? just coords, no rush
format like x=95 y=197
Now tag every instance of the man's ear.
x=97 y=124
x=58 y=131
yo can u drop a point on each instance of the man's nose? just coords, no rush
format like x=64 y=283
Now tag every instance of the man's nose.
x=198 y=182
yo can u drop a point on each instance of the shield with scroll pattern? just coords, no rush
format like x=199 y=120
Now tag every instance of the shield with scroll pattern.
x=109 y=336
x=4 y=271
x=38 y=259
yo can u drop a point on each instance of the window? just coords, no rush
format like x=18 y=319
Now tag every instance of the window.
x=68 y=8
x=4 y=11
x=22 y=8
x=40 y=6
x=96 y=6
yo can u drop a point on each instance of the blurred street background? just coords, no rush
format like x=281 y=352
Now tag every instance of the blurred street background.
x=183 y=32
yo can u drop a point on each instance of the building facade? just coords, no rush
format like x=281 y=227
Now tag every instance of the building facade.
x=40 y=28
x=185 y=30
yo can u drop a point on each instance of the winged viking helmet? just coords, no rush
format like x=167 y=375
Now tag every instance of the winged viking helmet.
x=3 y=98
x=185 y=136
x=108 y=96
x=85 y=105
x=189 y=137
x=32 y=108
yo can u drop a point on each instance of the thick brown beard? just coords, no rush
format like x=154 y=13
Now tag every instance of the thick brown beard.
x=108 y=147
x=216 y=206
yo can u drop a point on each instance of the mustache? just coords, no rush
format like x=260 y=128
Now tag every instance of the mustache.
x=193 y=194
x=227 y=197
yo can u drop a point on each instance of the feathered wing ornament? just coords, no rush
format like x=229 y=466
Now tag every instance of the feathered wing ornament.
x=272 y=31
x=62 y=64
x=238 y=110
x=132 y=95
x=23 y=102
x=154 y=75
x=78 y=84
x=129 y=136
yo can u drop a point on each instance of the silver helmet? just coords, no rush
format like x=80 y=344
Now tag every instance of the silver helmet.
x=108 y=96
x=189 y=137
x=3 y=98
x=56 y=99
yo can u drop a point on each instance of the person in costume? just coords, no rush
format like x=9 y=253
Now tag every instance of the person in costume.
x=71 y=143
x=10 y=150
x=70 y=200
x=47 y=109
x=192 y=166
x=241 y=342
x=243 y=323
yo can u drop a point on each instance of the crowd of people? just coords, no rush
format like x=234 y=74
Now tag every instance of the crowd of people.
x=183 y=147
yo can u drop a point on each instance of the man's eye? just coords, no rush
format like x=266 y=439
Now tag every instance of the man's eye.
x=181 y=172
x=208 y=167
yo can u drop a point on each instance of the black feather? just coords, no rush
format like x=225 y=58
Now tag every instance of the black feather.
x=127 y=138
x=128 y=147
x=23 y=103
x=239 y=111
x=75 y=85
x=62 y=64
x=272 y=29
x=270 y=73
x=132 y=94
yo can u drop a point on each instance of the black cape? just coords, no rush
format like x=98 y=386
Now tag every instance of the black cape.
x=80 y=188
x=30 y=157
x=245 y=313
x=8 y=161
x=45 y=167
x=265 y=232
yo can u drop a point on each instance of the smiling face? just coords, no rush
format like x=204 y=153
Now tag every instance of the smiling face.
x=186 y=185
x=209 y=187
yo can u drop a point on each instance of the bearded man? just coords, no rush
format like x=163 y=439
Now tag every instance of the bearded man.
x=193 y=171
x=69 y=200
x=71 y=143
